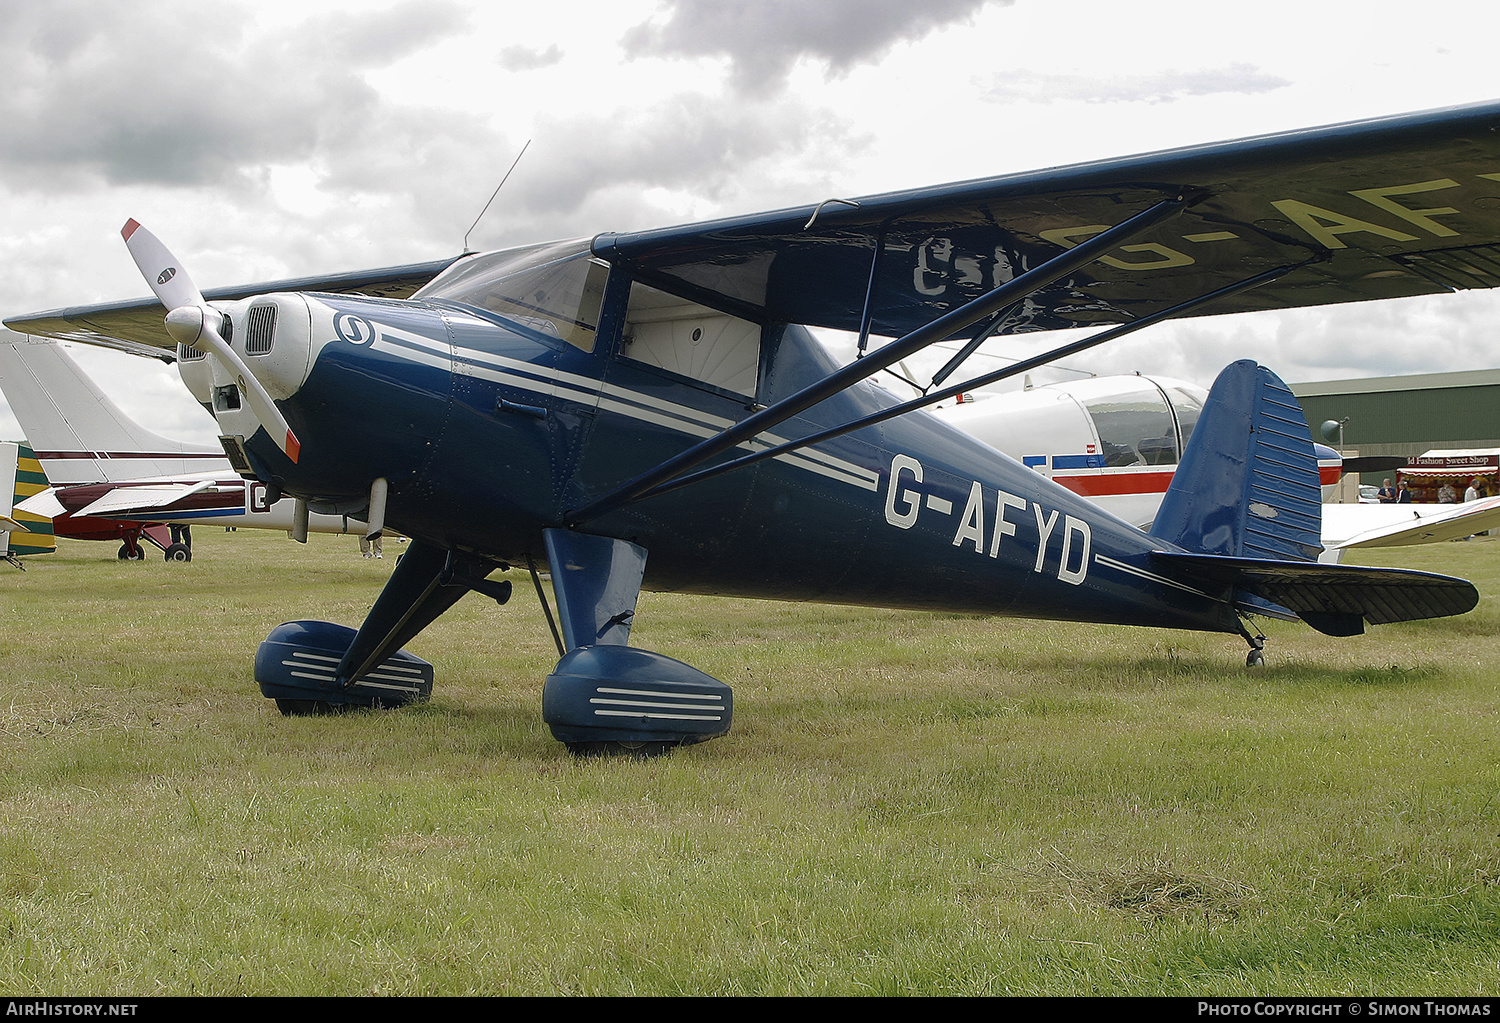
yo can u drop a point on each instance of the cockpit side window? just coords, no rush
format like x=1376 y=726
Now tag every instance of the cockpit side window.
x=1135 y=428
x=691 y=340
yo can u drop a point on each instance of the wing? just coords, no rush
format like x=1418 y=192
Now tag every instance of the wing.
x=1387 y=208
x=157 y=499
x=135 y=500
x=1400 y=525
x=135 y=326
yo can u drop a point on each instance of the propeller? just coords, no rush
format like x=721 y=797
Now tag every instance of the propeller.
x=193 y=322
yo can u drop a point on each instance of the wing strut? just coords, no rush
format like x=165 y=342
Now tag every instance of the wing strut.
x=944 y=326
x=996 y=322
x=1023 y=366
x=866 y=315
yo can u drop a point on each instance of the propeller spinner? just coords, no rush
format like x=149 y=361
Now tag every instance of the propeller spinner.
x=193 y=322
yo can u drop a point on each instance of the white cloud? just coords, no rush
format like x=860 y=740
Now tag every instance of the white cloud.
x=764 y=40
x=1163 y=87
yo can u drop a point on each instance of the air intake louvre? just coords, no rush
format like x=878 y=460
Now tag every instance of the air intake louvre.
x=186 y=354
x=260 y=329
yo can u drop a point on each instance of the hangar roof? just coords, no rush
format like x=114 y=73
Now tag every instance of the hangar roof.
x=1414 y=382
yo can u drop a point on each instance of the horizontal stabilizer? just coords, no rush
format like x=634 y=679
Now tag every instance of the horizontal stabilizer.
x=1334 y=599
x=44 y=504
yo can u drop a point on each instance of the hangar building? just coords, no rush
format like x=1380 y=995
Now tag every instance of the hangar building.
x=1407 y=415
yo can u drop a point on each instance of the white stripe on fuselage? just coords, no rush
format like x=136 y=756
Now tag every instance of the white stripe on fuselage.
x=525 y=376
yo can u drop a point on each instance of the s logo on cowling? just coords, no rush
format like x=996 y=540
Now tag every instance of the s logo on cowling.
x=354 y=329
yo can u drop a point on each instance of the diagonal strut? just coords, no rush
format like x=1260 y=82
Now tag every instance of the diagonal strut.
x=944 y=326
x=1025 y=365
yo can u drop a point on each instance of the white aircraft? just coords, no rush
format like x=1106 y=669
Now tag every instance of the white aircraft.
x=113 y=479
x=1117 y=440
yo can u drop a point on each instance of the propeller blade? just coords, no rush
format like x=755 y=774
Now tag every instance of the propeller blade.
x=169 y=281
x=193 y=322
x=198 y=327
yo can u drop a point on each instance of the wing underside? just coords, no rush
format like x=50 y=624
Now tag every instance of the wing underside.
x=1385 y=208
x=135 y=325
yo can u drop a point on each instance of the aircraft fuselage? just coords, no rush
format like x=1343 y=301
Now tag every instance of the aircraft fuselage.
x=487 y=435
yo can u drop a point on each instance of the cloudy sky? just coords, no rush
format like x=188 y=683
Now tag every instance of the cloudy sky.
x=270 y=139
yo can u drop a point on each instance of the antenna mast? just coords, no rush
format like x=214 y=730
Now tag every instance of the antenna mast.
x=496 y=192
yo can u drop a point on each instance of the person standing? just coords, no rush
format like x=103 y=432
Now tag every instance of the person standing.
x=1387 y=493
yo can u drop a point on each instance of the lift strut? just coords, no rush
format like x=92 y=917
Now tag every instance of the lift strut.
x=1014 y=369
x=944 y=326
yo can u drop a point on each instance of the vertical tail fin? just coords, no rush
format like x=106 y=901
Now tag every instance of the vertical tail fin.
x=1248 y=484
x=79 y=434
x=21 y=476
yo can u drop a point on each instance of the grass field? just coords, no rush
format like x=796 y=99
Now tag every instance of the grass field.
x=908 y=803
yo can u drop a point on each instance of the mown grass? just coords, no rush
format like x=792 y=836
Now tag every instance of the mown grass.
x=909 y=803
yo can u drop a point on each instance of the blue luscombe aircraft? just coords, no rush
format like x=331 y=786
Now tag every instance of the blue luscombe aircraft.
x=650 y=409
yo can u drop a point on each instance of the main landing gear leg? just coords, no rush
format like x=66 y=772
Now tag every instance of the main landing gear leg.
x=317 y=667
x=1256 y=658
x=130 y=550
x=605 y=697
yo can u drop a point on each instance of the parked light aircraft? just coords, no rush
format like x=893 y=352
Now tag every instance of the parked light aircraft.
x=113 y=479
x=589 y=404
x=21 y=533
x=1117 y=439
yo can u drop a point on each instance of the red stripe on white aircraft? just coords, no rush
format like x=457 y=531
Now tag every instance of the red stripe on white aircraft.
x=1111 y=484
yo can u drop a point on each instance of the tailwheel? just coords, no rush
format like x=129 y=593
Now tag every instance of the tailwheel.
x=1256 y=658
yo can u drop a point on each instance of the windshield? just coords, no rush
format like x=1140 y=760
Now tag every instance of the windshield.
x=554 y=289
